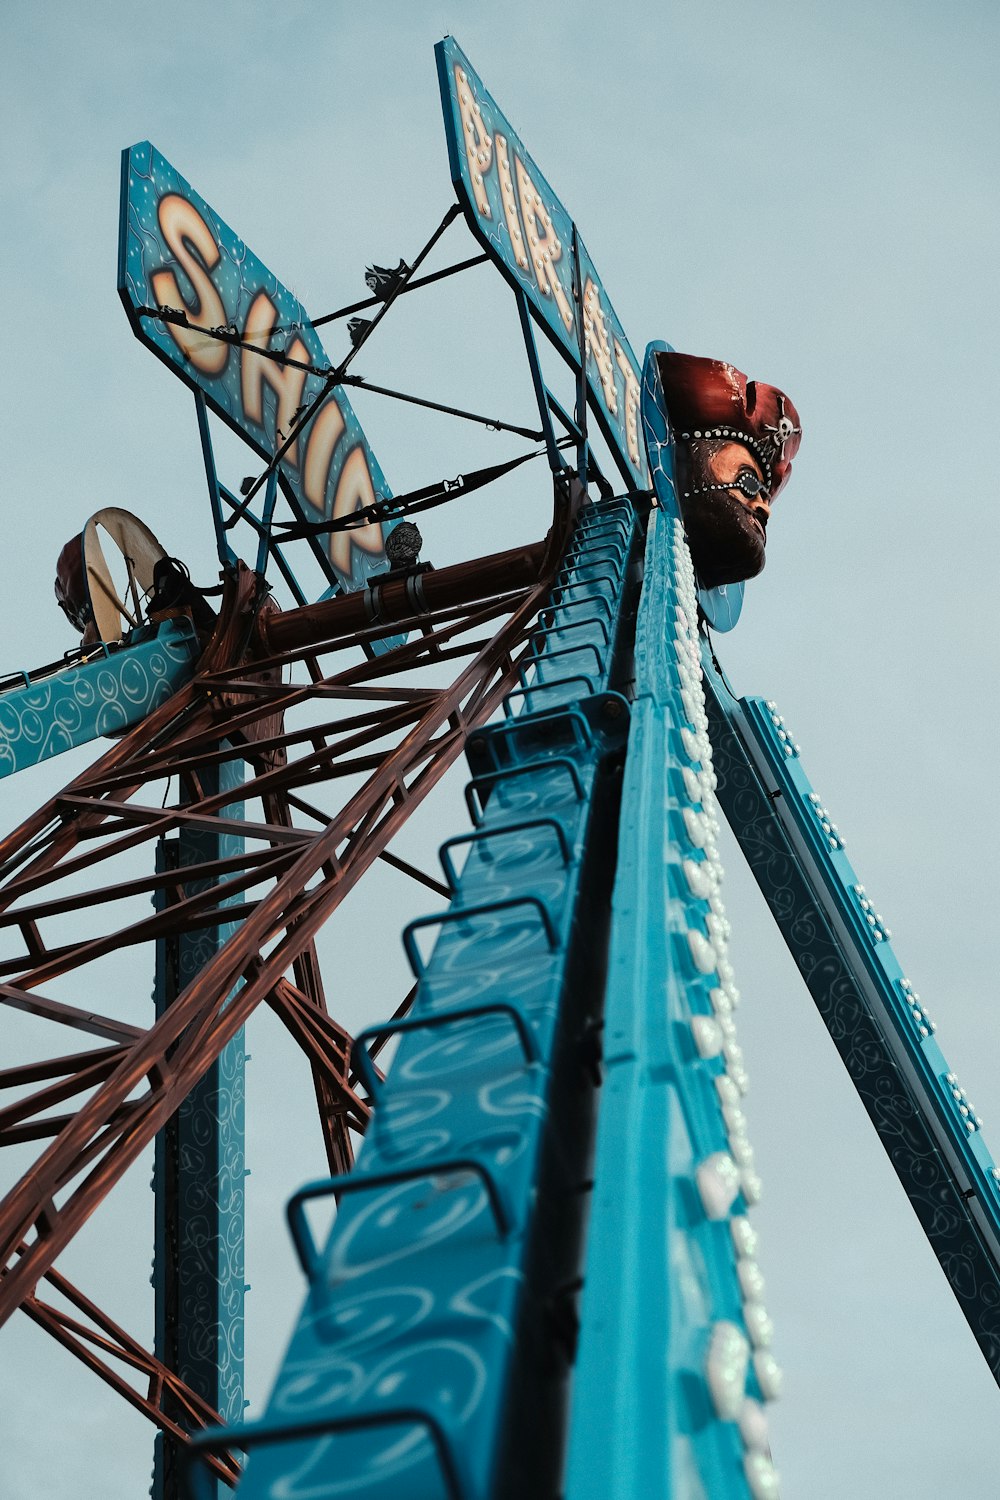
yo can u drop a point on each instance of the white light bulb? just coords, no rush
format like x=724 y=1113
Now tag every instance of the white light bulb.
x=696 y=829
x=726 y=1370
x=751 y=1279
x=759 y=1325
x=698 y=875
x=718 y=1180
x=751 y=1184
x=753 y=1426
x=707 y=1036
x=768 y=1373
x=703 y=955
x=761 y=1476
x=744 y=1236
x=729 y=1094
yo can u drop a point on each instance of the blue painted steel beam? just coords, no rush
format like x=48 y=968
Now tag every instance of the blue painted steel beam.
x=877 y=1021
x=43 y=714
x=198 y=1177
x=434 y=1350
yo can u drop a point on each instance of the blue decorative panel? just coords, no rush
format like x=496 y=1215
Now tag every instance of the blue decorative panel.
x=176 y=253
x=674 y=1361
x=43 y=715
x=514 y=211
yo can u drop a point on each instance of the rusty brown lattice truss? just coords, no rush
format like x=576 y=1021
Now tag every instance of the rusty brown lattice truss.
x=339 y=752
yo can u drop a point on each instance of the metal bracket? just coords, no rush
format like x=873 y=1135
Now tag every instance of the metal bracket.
x=463 y=914
x=543 y=687
x=201 y=1486
x=476 y=785
x=482 y=834
x=361 y=1061
x=533 y=661
x=358 y=1182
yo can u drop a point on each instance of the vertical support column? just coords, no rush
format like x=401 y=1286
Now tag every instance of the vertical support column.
x=199 y=1171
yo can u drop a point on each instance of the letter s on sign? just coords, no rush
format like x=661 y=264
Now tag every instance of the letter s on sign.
x=193 y=246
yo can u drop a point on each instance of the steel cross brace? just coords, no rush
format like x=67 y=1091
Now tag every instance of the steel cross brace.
x=113 y=1126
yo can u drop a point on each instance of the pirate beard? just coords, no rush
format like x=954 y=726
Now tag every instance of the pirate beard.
x=726 y=539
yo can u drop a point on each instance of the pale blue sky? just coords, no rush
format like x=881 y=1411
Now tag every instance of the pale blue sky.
x=806 y=189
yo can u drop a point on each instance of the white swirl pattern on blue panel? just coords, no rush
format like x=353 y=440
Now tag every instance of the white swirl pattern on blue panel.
x=82 y=702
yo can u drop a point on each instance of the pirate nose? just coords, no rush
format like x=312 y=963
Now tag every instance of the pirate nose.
x=762 y=510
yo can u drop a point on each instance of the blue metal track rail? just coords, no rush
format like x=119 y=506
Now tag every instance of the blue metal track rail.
x=434 y=1351
x=674 y=1362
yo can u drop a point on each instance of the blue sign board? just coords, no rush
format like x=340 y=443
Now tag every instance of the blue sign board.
x=526 y=230
x=176 y=254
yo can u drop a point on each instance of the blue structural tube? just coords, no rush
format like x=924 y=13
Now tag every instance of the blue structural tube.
x=43 y=714
x=434 y=1350
x=199 y=1177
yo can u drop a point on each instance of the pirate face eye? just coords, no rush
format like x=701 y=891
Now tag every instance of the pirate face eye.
x=748 y=483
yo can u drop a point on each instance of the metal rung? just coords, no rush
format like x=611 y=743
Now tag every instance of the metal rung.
x=515 y=726
x=552 y=610
x=541 y=687
x=605 y=532
x=465 y=913
x=361 y=1061
x=587 y=524
x=589 y=534
x=593 y=515
x=570 y=566
x=476 y=785
x=612 y=579
x=363 y=1182
x=533 y=661
x=578 y=554
x=548 y=630
x=481 y=836
x=580 y=546
x=202 y=1486
x=592 y=519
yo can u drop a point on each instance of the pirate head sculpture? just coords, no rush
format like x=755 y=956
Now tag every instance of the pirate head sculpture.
x=735 y=441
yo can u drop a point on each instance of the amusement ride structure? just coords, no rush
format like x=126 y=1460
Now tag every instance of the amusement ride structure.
x=541 y=1277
